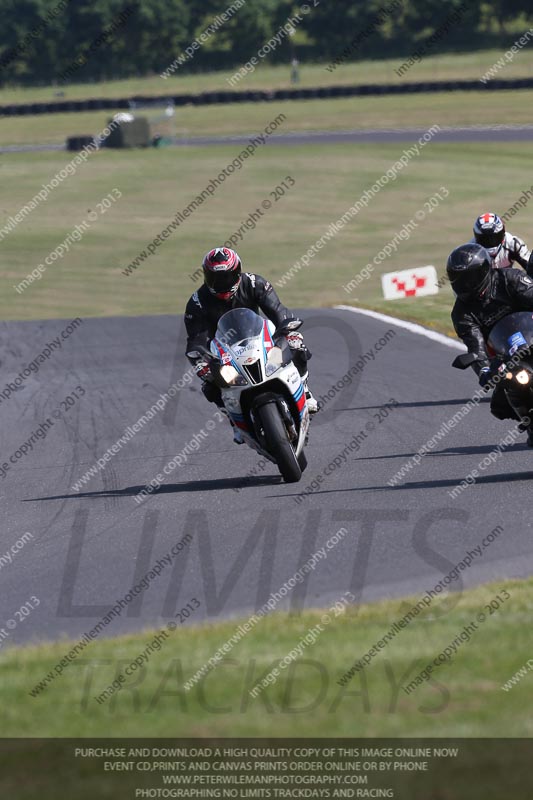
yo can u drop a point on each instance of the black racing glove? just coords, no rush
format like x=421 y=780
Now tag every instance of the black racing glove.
x=485 y=375
x=212 y=393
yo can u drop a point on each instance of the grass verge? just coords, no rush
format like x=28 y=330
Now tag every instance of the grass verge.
x=462 y=698
x=88 y=280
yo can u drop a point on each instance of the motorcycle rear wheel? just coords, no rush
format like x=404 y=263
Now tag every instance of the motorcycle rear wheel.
x=278 y=444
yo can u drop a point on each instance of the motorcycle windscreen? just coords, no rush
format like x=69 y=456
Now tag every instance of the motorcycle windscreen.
x=237 y=325
x=511 y=333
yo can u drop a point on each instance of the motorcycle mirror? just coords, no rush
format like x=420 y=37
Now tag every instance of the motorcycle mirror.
x=464 y=360
x=200 y=351
x=286 y=326
x=294 y=324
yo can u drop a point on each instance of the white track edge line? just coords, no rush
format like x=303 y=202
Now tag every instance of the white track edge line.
x=413 y=327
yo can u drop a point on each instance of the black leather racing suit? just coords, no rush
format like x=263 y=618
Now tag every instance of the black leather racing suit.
x=204 y=310
x=509 y=290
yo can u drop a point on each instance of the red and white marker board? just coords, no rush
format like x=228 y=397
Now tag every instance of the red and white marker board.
x=415 y=282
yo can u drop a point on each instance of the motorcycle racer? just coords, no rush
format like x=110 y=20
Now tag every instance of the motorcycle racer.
x=504 y=249
x=226 y=287
x=483 y=296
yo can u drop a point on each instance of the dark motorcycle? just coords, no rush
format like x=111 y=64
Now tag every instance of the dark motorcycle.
x=510 y=345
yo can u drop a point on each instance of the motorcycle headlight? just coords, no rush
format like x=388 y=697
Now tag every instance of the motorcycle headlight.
x=231 y=376
x=274 y=360
x=523 y=377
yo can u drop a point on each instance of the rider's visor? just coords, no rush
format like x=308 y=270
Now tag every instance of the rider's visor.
x=490 y=239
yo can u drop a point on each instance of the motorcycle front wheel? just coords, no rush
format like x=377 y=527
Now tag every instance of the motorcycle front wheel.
x=277 y=442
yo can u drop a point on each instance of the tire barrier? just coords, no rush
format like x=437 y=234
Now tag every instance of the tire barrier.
x=77 y=143
x=224 y=97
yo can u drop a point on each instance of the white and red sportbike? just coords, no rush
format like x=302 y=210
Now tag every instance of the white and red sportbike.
x=261 y=388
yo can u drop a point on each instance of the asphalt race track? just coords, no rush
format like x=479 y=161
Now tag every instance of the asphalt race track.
x=90 y=547
x=473 y=133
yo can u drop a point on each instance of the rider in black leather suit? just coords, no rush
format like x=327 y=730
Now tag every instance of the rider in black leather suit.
x=483 y=296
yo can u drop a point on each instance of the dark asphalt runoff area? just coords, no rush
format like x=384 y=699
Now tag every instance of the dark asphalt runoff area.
x=248 y=535
x=474 y=133
x=479 y=133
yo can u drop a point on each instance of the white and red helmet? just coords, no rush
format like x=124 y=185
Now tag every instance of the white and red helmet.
x=489 y=232
x=222 y=272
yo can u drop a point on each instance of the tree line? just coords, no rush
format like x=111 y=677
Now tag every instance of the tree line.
x=65 y=41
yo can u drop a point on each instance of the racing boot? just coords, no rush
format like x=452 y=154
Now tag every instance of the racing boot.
x=312 y=403
x=237 y=435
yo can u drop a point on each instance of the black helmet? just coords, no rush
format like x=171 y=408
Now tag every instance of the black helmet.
x=469 y=269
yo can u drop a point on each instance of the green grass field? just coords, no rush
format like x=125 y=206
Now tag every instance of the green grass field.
x=463 y=698
x=456 y=66
x=88 y=280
